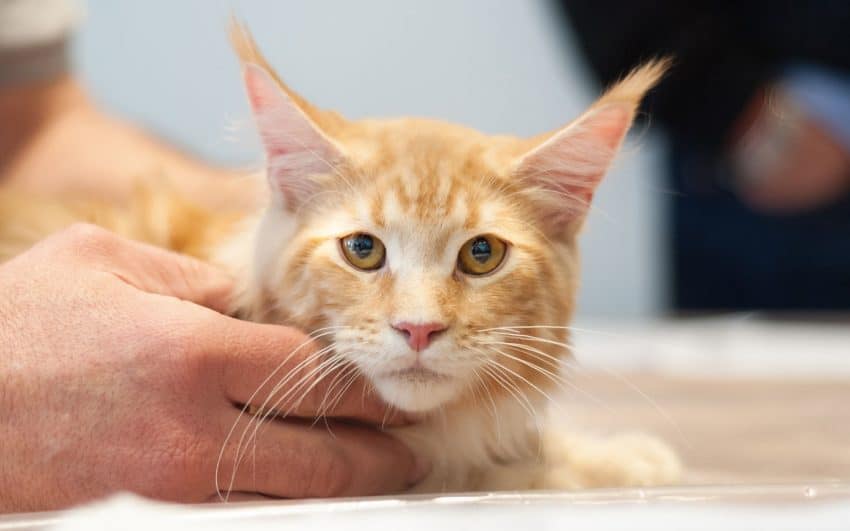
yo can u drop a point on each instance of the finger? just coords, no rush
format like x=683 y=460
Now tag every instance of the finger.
x=284 y=371
x=152 y=269
x=293 y=460
x=165 y=273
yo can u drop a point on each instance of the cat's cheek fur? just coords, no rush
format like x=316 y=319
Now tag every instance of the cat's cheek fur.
x=252 y=254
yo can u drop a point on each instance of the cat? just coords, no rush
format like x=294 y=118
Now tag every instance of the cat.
x=441 y=265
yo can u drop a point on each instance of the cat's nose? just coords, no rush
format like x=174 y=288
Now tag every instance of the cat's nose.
x=419 y=336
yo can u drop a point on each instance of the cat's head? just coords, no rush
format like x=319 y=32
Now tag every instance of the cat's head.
x=441 y=262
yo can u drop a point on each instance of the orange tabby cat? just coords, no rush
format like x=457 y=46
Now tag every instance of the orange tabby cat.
x=437 y=262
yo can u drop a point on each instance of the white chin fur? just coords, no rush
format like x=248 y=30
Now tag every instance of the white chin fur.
x=416 y=396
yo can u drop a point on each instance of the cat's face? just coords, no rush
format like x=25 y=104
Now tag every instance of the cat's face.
x=440 y=262
x=417 y=250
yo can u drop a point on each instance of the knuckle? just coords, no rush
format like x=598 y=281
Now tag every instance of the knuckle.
x=85 y=239
x=85 y=233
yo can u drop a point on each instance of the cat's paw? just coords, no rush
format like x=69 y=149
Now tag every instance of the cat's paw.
x=625 y=460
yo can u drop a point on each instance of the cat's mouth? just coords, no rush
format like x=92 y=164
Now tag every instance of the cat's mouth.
x=415 y=374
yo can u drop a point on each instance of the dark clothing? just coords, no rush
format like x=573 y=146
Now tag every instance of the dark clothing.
x=723 y=51
x=724 y=255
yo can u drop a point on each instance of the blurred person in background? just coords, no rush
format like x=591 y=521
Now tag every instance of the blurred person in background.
x=54 y=139
x=757 y=114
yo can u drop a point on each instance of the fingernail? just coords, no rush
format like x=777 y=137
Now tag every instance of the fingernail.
x=421 y=468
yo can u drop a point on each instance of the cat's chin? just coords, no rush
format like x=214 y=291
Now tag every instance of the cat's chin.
x=416 y=393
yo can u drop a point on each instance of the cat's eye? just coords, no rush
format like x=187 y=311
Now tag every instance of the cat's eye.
x=481 y=255
x=363 y=251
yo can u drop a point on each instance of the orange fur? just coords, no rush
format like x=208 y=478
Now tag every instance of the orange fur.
x=155 y=214
x=424 y=188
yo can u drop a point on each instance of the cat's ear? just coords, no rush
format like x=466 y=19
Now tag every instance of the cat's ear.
x=564 y=168
x=298 y=153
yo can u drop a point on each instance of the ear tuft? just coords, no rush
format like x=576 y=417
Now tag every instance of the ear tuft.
x=248 y=52
x=564 y=169
x=299 y=150
x=633 y=87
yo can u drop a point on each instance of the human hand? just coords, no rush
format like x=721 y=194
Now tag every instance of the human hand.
x=114 y=377
x=788 y=162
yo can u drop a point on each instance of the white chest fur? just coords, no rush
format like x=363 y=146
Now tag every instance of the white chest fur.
x=468 y=445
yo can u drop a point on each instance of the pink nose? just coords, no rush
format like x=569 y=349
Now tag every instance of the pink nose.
x=419 y=336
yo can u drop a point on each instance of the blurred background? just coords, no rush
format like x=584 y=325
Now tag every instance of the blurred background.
x=731 y=195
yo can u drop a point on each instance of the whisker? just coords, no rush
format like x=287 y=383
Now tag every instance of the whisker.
x=341 y=375
x=316 y=334
x=325 y=368
x=565 y=381
x=523 y=379
x=355 y=374
x=655 y=405
x=344 y=378
x=552 y=361
x=570 y=348
x=555 y=378
x=485 y=389
x=266 y=412
x=496 y=371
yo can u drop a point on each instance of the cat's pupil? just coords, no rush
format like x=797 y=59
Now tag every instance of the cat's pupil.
x=481 y=250
x=361 y=245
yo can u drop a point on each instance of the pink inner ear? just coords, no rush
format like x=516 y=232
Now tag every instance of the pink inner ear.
x=295 y=148
x=570 y=165
x=611 y=123
x=261 y=88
